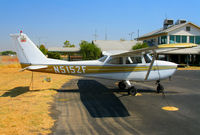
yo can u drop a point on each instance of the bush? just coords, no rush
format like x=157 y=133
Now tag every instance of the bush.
x=139 y=46
x=8 y=53
x=53 y=55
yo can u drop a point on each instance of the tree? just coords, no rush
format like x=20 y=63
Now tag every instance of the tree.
x=139 y=46
x=54 y=55
x=8 y=53
x=68 y=44
x=89 y=51
x=43 y=49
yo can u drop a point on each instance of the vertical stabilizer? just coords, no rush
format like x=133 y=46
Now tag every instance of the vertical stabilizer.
x=27 y=51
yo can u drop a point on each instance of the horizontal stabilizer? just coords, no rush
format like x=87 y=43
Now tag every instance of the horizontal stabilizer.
x=33 y=68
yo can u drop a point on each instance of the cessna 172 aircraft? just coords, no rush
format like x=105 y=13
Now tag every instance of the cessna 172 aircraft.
x=122 y=66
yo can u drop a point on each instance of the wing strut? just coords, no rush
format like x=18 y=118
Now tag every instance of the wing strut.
x=151 y=65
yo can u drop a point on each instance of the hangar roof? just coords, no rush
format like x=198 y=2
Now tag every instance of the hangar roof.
x=163 y=31
x=64 y=49
x=108 y=45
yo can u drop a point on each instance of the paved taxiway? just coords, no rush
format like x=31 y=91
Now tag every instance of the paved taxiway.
x=87 y=106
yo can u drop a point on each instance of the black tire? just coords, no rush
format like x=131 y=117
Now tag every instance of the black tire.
x=121 y=85
x=160 y=88
x=132 y=91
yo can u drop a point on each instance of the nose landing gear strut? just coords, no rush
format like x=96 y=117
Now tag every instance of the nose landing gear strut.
x=160 y=87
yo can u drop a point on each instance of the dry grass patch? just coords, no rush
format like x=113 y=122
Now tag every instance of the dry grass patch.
x=24 y=111
x=16 y=65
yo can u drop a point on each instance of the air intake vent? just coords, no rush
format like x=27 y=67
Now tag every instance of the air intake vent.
x=180 y=22
x=167 y=23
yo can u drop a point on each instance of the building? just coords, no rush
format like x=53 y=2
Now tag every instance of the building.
x=67 y=53
x=109 y=45
x=73 y=53
x=176 y=33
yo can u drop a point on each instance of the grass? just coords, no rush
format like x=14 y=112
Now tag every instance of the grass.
x=24 y=111
x=16 y=65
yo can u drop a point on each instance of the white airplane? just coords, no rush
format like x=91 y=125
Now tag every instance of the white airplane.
x=126 y=66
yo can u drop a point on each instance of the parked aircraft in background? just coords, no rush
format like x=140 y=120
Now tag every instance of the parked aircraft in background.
x=122 y=66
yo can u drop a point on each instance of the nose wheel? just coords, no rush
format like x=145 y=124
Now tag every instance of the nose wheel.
x=160 y=87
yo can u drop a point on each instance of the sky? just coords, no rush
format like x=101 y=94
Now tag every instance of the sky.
x=51 y=22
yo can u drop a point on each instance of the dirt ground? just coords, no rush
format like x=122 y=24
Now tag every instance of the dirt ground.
x=23 y=110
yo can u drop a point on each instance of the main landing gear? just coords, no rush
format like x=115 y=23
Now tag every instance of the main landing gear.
x=121 y=85
x=126 y=84
x=133 y=91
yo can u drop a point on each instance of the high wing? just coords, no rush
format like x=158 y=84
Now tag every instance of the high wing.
x=155 y=50
x=114 y=52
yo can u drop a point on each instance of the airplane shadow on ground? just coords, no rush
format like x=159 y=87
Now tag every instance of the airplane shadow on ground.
x=15 y=92
x=19 y=91
x=98 y=100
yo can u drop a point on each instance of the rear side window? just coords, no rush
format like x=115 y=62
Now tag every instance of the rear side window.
x=136 y=59
x=115 y=60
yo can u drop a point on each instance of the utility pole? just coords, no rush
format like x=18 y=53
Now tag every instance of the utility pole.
x=95 y=35
x=39 y=40
x=131 y=35
x=106 y=34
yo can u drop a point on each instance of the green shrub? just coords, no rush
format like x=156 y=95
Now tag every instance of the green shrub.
x=54 y=55
x=139 y=46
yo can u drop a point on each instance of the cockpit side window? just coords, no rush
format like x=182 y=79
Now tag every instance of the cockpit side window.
x=136 y=59
x=128 y=60
x=147 y=59
x=115 y=60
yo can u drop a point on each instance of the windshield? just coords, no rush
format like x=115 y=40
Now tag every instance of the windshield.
x=102 y=59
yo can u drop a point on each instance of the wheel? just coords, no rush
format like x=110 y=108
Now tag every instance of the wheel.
x=160 y=88
x=132 y=91
x=121 y=85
